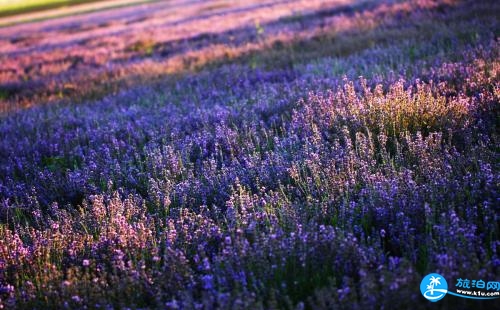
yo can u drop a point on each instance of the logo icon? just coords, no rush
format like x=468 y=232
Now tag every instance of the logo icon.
x=434 y=287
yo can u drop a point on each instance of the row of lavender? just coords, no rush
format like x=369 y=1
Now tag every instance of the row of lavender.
x=276 y=188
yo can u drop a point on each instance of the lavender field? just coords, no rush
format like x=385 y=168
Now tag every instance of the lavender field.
x=297 y=154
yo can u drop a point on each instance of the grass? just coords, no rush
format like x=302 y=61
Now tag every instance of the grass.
x=17 y=7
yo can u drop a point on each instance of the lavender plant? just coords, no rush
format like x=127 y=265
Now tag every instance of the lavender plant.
x=330 y=162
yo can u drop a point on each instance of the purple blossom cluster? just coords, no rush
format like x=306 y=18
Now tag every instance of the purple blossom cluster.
x=336 y=180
